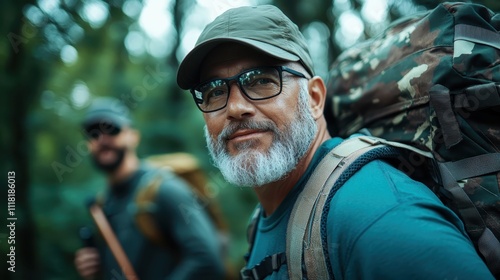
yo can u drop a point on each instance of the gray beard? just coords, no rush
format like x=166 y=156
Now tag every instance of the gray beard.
x=252 y=168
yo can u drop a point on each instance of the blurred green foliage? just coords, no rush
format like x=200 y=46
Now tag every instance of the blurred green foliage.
x=56 y=55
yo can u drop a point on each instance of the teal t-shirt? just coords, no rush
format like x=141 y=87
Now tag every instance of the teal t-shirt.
x=381 y=225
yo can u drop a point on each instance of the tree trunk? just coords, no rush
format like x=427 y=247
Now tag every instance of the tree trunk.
x=22 y=77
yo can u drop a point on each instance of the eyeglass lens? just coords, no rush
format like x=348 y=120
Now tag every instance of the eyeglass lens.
x=256 y=84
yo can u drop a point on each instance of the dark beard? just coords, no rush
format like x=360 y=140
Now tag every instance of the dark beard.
x=110 y=167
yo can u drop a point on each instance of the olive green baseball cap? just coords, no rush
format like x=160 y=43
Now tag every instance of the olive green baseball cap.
x=264 y=27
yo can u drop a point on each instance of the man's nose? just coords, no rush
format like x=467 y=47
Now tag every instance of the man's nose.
x=238 y=104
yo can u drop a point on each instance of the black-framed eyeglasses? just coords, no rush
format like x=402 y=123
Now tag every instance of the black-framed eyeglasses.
x=95 y=131
x=257 y=84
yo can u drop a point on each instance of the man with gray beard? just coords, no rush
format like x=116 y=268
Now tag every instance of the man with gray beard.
x=251 y=75
x=250 y=168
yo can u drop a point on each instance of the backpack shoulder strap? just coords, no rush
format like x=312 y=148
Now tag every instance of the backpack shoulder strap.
x=252 y=230
x=112 y=241
x=303 y=240
x=483 y=238
x=145 y=196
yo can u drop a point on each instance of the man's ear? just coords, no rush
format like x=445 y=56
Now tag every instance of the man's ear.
x=317 y=94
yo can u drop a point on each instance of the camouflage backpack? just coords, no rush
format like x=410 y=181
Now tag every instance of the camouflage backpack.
x=432 y=81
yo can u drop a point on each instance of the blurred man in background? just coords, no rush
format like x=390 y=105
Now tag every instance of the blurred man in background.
x=190 y=246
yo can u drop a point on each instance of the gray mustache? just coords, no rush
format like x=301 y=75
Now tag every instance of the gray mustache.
x=233 y=127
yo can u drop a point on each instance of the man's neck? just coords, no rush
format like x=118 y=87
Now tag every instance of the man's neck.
x=128 y=167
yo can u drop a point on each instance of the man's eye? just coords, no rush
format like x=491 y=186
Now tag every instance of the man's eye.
x=260 y=81
x=263 y=81
x=214 y=95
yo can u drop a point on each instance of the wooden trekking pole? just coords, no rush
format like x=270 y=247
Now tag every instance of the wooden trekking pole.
x=113 y=243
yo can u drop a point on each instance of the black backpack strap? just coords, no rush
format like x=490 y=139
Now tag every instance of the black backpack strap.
x=477 y=35
x=252 y=230
x=269 y=264
x=482 y=237
x=440 y=100
x=265 y=268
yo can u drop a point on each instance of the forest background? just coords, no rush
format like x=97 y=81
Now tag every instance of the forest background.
x=57 y=55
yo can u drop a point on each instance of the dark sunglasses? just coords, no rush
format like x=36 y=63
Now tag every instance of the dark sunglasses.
x=96 y=130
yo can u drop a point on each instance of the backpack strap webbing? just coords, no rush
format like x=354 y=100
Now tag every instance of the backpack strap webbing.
x=303 y=242
x=268 y=265
x=265 y=268
x=477 y=35
x=482 y=237
x=252 y=230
